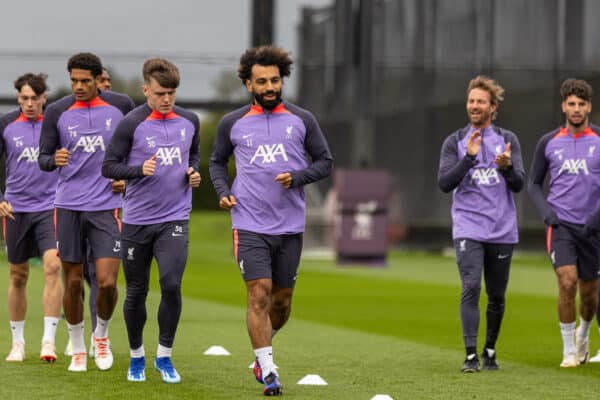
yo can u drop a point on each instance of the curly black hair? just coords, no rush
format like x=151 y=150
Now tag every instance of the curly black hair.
x=86 y=61
x=265 y=56
x=577 y=87
x=37 y=82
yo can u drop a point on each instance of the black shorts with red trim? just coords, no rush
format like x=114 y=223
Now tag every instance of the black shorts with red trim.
x=101 y=230
x=29 y=235
x=567 y=245
x=275 y=257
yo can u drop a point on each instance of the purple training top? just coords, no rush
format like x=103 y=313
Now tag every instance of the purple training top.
x=84 y=128
x=175 y=140
x=265 y=144
x=483 y=207
x=28 y=189
x=572 y=162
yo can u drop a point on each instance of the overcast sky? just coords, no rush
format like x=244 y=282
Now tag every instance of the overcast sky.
x=202 y=37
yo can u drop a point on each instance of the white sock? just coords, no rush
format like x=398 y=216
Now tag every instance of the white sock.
x=137 y=353
x=17 y=328
x=584 y=329
x=101 y=327
x=273 y=333
x=163 y=351
x=76 y=336
x=50 y=324
x=265 y=359
x=568 y=337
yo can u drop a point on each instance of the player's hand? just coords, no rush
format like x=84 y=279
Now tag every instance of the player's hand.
x=6 y=210
x=474 y=143
x=503 y=160
x=61 y=157
x=227 y=202
x=284 y=179
x=194 y=177
x=117 y=186
x=149 y=166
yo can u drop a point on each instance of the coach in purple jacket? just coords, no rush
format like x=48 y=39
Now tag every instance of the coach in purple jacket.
x=481 y=163
x=271 y=141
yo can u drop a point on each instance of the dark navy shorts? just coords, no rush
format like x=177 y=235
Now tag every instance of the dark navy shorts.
x=568 y=246
x=165 y=241
x=29 y=235
x=101 y=230
x=275 y=257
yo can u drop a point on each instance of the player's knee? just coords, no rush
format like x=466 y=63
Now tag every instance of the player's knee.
x=52 y=270
x=170 y=286
x=18 y=279
x=471 y=287
x=73 y=286
x=496 y=301
x=567 y=285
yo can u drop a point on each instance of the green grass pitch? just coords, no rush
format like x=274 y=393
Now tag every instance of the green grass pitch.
x=366 y=331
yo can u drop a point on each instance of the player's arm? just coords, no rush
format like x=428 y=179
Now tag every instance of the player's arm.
x=115 y=165
x=193 y=175
x=451 y=170
x=537 y=173
x=511 y=164
x=317 y=148
x=5 y=207
x=50 y=141
x=217 y=165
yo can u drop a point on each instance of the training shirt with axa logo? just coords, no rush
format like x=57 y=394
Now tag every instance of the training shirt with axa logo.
x=83 y=128
x=174 y=139
x=483 y=207
x=28 y=189
x=572 y=163
x=267 y=143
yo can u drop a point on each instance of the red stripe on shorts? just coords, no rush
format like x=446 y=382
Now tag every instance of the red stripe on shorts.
x=549 y=239
x=117 y=219
x=4 y=228
x=235 y=244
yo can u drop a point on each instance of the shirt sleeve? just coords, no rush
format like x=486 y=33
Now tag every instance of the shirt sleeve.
x=115 y=165
x=452 y=170
x=222 y=150
x=49 y=139
x=318 y=150
x=537 y=174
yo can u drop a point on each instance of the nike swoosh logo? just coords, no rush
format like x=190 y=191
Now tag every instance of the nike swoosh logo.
x=247 y=136
x=70 y=128
x=176 y=234
x=502 y=256
x=150 y=138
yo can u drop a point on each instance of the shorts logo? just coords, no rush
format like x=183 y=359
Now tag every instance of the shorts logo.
x=462 y=245
x=178 y=231
x=130 y=253
x=553 y=257
x=502 y=256
x=242 y=267
x=117 y=246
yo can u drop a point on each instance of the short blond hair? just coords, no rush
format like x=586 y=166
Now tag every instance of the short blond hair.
x=489 y=85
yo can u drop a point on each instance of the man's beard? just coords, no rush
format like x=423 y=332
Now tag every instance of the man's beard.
x=268 y=104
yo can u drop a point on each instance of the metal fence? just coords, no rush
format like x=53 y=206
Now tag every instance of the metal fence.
x=387 y=80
